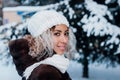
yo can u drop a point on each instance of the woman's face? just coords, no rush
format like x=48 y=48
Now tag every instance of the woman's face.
x=60 y=35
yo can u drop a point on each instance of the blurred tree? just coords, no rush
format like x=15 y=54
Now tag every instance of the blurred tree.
x=36 y=2
x=92 y=20
x=10 y=32
x=1 y=12
x=93 y=27
x=10 y=3
x=114 y=8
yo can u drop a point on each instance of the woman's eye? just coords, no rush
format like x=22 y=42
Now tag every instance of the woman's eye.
x=57 y=34
x=67 y=33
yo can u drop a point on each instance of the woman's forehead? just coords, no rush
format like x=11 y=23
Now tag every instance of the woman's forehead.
x=60 y=27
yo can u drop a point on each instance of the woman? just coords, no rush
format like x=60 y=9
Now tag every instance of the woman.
x=52 y=44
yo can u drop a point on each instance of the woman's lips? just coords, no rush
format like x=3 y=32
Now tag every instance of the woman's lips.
x=61 y=47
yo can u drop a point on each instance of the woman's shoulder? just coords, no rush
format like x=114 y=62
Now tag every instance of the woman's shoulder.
x=47 y=72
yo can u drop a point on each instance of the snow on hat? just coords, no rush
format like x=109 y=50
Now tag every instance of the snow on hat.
x=43 y=20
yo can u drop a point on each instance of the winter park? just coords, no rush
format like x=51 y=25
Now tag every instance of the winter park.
x=95 y=23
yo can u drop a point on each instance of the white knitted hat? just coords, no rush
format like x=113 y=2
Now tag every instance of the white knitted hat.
x=43 y=20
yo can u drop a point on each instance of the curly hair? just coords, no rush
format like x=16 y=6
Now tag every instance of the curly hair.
x=43 y=44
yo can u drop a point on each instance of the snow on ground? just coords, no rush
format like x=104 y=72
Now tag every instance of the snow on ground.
x=8 y=72
x=97 y=72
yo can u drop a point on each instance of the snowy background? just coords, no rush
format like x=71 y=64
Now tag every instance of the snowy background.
x=97 y=72
x=93 y=22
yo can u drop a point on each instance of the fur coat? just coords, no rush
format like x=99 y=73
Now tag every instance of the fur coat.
x=19 y=50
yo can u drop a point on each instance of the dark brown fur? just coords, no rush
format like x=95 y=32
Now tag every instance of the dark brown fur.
x=19 y=50
x=47 y=72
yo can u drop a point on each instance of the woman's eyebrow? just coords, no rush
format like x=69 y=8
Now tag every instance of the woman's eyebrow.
x=67 y=30
x=58 y=30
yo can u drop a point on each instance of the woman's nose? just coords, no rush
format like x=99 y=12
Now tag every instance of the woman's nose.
x=64 y=39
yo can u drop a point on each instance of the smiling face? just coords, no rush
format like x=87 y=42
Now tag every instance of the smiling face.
x=60 y=35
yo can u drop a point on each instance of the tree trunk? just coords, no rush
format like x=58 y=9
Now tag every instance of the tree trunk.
x=85 y=68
